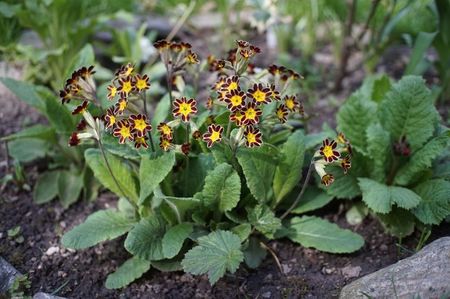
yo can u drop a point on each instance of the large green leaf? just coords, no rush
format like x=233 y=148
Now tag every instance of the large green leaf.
x=46 y=187
x=417 y=65
x=128 y=272
x=289 y=169
x=435 y=204
x=25 y=92
x=422 y=159
x=28 y=149
x=58 y=115
x=345 y=185
x=174 y=238
x=85 y=57
x=325 y=236
x=313 y=199
x=408 y=110
x=215 y=254
x=98 y=227
x=379 y=147
x=353 y=119
x=37 y=131
x=162 y=111
x=70 y=184
x=145 y=239
x=380 y=197
x=264 y=220
x=153 y=171
x=259 y=168
x=222 y=188
x=121 y=171
x=398 y=222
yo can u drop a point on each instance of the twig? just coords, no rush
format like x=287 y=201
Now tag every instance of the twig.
x=270 y=250
x=148 y=116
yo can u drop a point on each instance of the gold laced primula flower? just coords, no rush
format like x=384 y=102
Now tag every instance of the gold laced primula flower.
x=253 y=136
x=125 y=70
x=139 y=125
x=260 y=94
x=140 y=142
x=328 y=151
x=126 y=86
x=123 y=131
x=110 y=117
x=274 y=93
x=121 y=105
x=237 y=118
x=213 y=135
x=79 y=86
x=112 y=92
x=251 y=114
x=327 y=179
x=341 y=138
x=165 y=144
x=165 y=130
x=184 y=108
x=282 y=113
x=141 y=82
x=81 y=108
x=235 y=100
x=192 y=58
x=231 y=83
x=346 y=164
x=291 y=102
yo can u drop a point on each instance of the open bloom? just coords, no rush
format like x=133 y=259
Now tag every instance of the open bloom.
x=141 y=82
x=139 y=125
x=165 y=130
x=121 y=105
x=282 y=113
x=235 y=99
x=184 y=108
x=253 y=136
x=346 y=164
x=260 y=94
x=112 y=91
x=291 y=102
x=237 y=117
x=213 y=135
x=125 y=70
x=251 y=114
x=123 y=131
x=231 y=83
x=110 y=117
x=328 y=150
x=165 y=144
x=140 y=142
x=126 y=86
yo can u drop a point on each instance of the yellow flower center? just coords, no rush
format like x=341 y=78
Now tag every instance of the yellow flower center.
x=280 y=114
x=128 y=71
x=233 y=85
x=251 y=138
x=125 y=132
x=122 y=105
x=259 y=96
x=165 y=144
x=113 y=91
x=215 y=135
x=328 y=151
x=140 y=125
x=250 y=113
x=141 y=84
x=166 y=130
x=290 y=104
x=236 y=100
x=185 y=109
x=127 y=87
x=112 y=120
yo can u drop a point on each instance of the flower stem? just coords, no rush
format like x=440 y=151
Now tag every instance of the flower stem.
x=144 y=98
x=169 y=85
x=295 y=203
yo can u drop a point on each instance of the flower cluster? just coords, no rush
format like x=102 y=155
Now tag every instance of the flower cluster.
x=337 y=151
x=81 y=87
x=175 y=56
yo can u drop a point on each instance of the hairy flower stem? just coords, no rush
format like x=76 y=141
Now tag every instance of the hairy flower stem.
x=295 y=203
x=108 y=166
x=144 y=98
x=169 y=85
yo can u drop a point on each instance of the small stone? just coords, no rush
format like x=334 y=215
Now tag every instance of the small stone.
x=269 y=277
x=328 y=271
x=7 y=275
x=286 y=268
x=42 y=295
x=350 y=271
x=266 y=295
x=52 y=250
x=383 y=247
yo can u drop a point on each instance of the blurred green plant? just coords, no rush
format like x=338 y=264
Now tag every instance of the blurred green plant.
x=400 y=154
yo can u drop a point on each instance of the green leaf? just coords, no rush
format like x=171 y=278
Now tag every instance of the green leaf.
x=196 y=172
x=356 y=214
x=98 y=227
x=46 y=187
x=222 y=187
x=345 y=185
x=289 y=170
x=128 y=272
x=126 y=151
x=380 y=197
x=379 y=148
x=375 y=87
x=122 y=172
x=69 y=187
x=313 y=199
x=254 y=254
x=167 y=265
x=435 y=204
x=85 y=57
x=421 y=45
x=353 y=119
x=422 y=159
x=145 y=239
x=58 y=115
x=259 y=168
x=264 y=220
x=408 y=110
x=174 y=238
x=399 y=222
x=162 y=111
x=242 y=230
x=25 y=92
x=323 y=235
x=28 y=149
x=153 y=171
x=37 y=131
x=215 y=254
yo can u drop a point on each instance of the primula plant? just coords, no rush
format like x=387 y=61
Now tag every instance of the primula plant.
x=400 y=152
x=204 y=184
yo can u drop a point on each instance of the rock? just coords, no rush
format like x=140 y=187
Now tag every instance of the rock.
x=52 y=250
x=7 y=275
x=350 y=271
x=42 y=295
x=286 y=268
x=266 y=295
x=328 y=271
x=426 y=274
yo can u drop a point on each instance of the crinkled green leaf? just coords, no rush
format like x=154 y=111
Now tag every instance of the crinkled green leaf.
x=242 y=230
x=264 y=220
x=353 y=119
x=46 y=187
x=168 y=265
x=289 y=169
x=128 y=272
x=216 y=253
x=259 y=168
x=325 y=236
x=408 y=110
x=399 y=222
x=435 y=204
x=379 y=147
x=122 y=172
x=145 y=239
x=98 y=227
x=153 y=171
x=174 y=238
x=380 y=197
x=222 y=188
x=422 y=159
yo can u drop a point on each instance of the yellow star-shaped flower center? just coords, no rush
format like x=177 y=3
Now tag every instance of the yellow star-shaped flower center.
x=233 y=85
x=259 y=96
x=215 y=135
x=127 y=87
x=122 y=105
x=125 y=132
x=236 y=100
x=280 y=113
x=250 y=113
x=111 y=120
x=185 y=109
x=140 y=125
x=166 y=130
x=328 y=151
x=141 y=84
x=290 y=104
x=113 y=91
x=251 y=138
